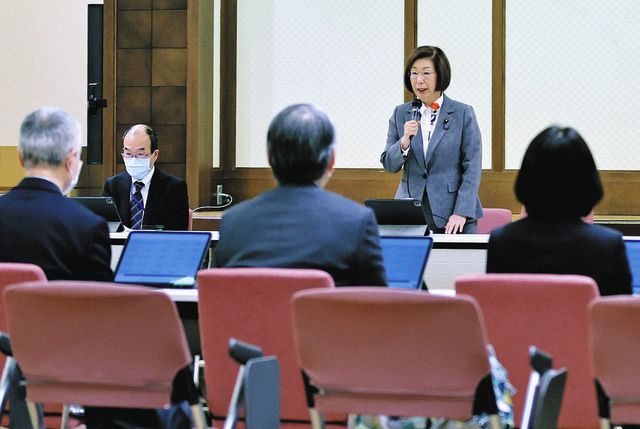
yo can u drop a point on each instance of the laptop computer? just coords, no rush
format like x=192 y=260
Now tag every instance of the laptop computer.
x=167 y=259
x=632 y=246
x=405 y=259
x=399 y=216
x=104 y=207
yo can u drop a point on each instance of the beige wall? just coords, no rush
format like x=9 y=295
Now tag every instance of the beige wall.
x=43 y=62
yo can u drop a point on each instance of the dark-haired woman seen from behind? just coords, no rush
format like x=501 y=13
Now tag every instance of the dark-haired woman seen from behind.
x=558 y=184
x=439 y=148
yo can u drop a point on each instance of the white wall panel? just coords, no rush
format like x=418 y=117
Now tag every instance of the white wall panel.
x=574 y=63
x=462 y=29
x=43 y=60
x=345 y=57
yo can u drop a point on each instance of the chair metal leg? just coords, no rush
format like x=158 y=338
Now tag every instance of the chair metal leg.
x=199 y=418
x=317 y=420
x=33 y=414
x=198 y=366
x=64 y=420
x=9 y=364
x=236 y=398
x=605 y=424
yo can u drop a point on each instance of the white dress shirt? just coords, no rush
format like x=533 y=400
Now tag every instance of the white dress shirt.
x=145 y=189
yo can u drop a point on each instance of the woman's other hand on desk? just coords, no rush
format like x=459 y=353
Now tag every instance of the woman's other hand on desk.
x=455 y=224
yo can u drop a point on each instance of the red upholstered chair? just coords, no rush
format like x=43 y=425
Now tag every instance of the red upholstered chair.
x=588 y=218
x=106 y=345
x=492 y=219
x=550 y=312
x=615 y=343
x=12 y=273
x=391 y=351
x=252 y=305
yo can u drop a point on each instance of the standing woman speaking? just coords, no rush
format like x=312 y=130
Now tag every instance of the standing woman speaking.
x=437 y=141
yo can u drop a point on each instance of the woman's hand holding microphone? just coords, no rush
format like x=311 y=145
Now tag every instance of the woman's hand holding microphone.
x=410 y=130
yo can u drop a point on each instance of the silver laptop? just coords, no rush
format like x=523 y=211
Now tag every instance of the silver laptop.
x=167 y=259
x=104 y=207
x=405 y=259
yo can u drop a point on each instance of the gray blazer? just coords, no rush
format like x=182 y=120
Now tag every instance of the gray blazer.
x=451 y=172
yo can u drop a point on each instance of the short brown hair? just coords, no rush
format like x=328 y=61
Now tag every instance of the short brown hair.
x=440 y=62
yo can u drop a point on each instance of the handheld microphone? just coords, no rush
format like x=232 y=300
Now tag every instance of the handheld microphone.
x=416 y=104
x=415 y=109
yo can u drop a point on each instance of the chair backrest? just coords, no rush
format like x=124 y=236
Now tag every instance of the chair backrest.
x=493 y=218
x=390 y=351
x=550 y=312
x=588 y=218
x=615 y=334
x=106 y=344
x=252 y=305
x=12 y=273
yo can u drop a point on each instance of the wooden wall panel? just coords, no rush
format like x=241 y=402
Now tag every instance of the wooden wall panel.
x=12 y=171
x=134 y=4
x=134 y=29
x=134 y=105
x=496 y=189
x=133 y=67
x=151 y=79
x=169 y=29
x=168 y=104
x=172 y=143
x=169 y=4
x=178 y=170
x=200 y=111
x=169 y=67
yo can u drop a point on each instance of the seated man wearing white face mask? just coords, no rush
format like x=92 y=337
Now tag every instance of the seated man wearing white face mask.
x=143 y=194
x=38 y=224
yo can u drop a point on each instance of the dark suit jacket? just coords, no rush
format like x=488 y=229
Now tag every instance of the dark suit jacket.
x=303 y=227
x=561 y=247
x=167 y=203
x=41 y=226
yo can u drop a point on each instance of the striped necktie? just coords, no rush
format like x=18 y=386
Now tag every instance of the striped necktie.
x=136 y=206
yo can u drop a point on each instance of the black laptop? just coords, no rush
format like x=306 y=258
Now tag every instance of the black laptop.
x=405 y=259
x=104 y=207
x=632 y=246
x=399 y=216
x=167 y=259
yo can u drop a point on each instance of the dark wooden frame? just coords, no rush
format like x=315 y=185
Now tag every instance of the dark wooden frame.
x=496 y=189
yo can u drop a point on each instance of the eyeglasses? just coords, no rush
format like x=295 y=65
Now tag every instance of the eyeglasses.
x=137 y=155
x=413 y=75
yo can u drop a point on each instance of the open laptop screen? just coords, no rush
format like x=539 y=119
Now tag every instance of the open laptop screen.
x=104 y=207
x=162 y=258
x=633 y=255
x=405 y=259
